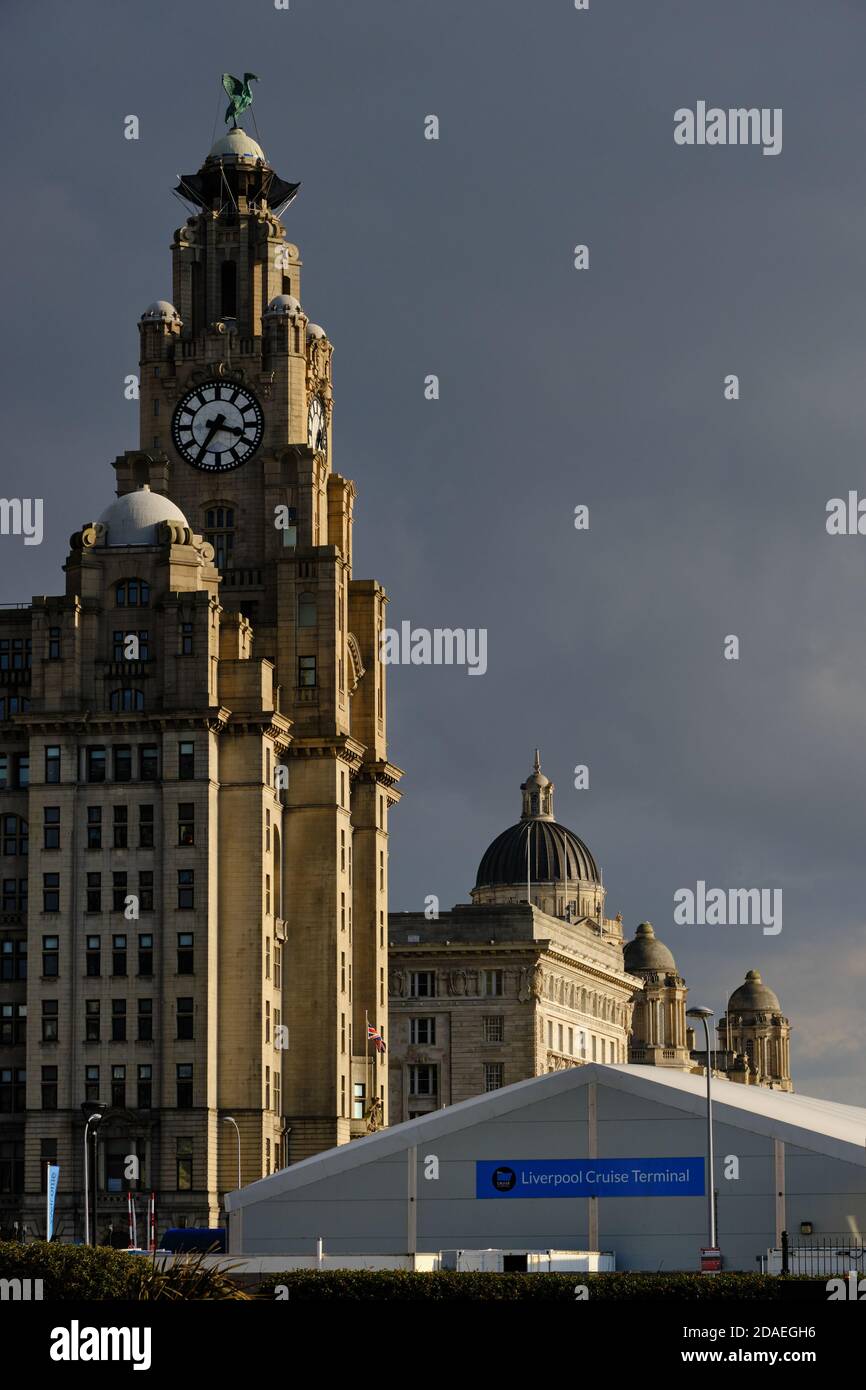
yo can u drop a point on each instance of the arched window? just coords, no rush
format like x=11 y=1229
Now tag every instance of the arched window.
x=122 y=701
x=132 y=593
x=15 y=834
x=307 y=615
x=228 y=289
x=219 y=531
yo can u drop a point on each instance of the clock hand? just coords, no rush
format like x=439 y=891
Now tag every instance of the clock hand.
x=213 y=427
x=226 y=429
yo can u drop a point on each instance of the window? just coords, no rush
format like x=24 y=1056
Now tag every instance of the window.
x=94 y=892
x=14 y=895
x=186 y=761
x=118 y=890
x=15 y=653
x=116 y=1151
x=123 y=701
x=118 y=1020
x=121 y=827
x=49 y=1088
x=145 y=1086
x=15 y=835
x=229 y=289
x=50 y=892
x=306 y=671
x=13 y=1024
x=52 y=763
x=93 y=956
x=51 y=827
x=50 y=956
x=94 y=827
x=290 y=530
x=145 y=890
x=186 y=635
x=184 y=1085
x=54 y=644
x=268 y=1022
x=307 y=615
x=118 y=1088
x=145 y=954
x=50 y=1011
x=422 y=984
x=91 y=1084
x=493 y=982
x=278 y=966
x=267 y=957
x=132 y=593
x=422 y=1032
x=186 y=823
x=123 y=763
x=183 y=1152
x=185 y=1018
x=422 y=1081
x=145 y=827
x=494 y=1028
x=148 y=762
x=185 y=953
x=268 y=894
x=96 y=764
x=13 y=958
x=186 y=888
x=493 y=1074
x=118 y=955
x=358 y=1099
x=4 y=771
x=220 y=532
x=125 y=650
x=145 y=1020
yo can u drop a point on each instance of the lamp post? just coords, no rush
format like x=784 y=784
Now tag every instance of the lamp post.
x=704 y=1015
x=230 y=1120
x=90 y=1119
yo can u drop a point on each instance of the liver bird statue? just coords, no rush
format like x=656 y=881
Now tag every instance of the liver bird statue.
x=239 y=95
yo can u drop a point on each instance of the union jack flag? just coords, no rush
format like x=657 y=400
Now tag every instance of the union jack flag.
x=375 y=1038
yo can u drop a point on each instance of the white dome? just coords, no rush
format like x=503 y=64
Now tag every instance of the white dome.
x=134 y=519
x=160 y=309
x=236 y=144
x=315 y=330
x=284 y=304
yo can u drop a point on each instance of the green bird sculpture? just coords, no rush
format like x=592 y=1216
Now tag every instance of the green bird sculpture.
x=239 y=95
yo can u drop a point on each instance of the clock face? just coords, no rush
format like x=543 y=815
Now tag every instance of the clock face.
x=316 y=428
x=218 y=426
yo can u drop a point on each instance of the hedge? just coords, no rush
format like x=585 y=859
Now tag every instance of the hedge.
x=100 y=1274
x=453 y=1286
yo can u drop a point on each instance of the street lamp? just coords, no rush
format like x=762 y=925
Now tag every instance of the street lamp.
x=97 y=1108
x=229 y=1120
x=706 y=1014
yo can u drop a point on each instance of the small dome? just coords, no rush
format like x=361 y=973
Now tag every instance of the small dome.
x=236 y=144
x=646 y=952
x=314 y=330
x=555 y=854
x=754 y=997
x=134 y=518
x=160 y=309
x=284 y=304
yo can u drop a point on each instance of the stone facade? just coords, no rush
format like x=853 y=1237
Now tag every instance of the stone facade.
x=194 y=734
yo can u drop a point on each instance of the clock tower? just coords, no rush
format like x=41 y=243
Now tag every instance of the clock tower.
x=236 y=428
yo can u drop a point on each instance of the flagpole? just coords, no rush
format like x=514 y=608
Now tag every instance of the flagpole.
x=367 y=1058
x=48 y=1199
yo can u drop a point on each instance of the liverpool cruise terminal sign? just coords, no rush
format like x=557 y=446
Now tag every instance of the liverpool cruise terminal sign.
x=591 y=1177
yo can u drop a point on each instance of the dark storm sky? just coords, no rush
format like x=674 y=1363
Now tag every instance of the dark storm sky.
x=557 y=388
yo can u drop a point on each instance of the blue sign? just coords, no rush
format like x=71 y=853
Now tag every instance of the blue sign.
x=51 y=1186
x=591 y=1177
